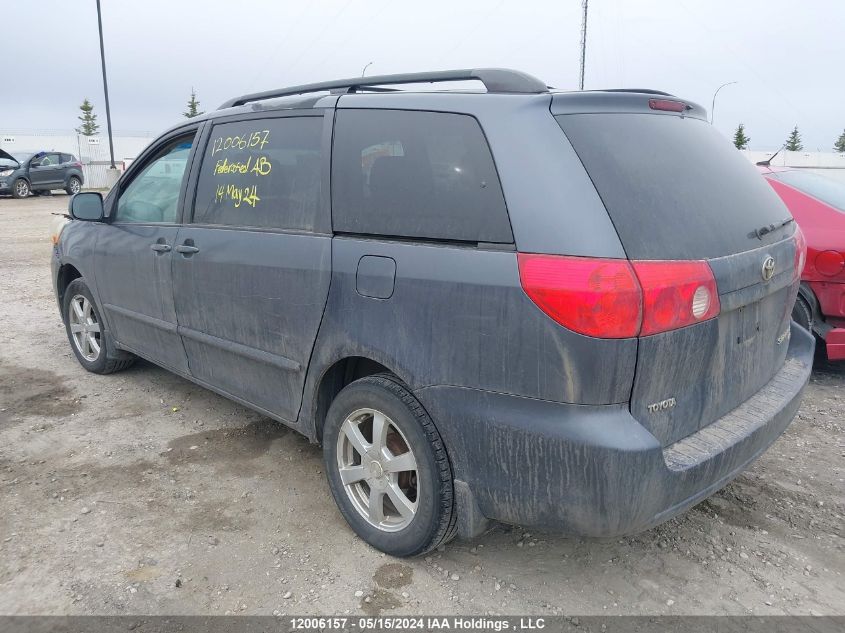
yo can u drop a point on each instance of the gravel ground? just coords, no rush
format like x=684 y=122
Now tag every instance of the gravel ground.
x=141 y=493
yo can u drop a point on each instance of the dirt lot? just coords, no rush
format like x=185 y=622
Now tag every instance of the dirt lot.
x=142 y=493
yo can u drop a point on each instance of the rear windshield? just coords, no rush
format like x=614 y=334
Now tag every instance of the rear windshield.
x=673 y=186
x=827 y=190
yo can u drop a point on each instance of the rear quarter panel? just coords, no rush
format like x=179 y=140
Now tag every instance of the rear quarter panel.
x=458 y=316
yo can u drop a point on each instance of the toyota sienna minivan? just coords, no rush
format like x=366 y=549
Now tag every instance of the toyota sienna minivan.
x=512 y=304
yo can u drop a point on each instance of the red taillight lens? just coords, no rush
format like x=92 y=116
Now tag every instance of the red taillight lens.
x=676 y=294
x=614 y=298
x=596 y=297
x=667 y=104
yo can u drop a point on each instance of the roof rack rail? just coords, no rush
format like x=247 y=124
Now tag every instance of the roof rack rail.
x=499 y=80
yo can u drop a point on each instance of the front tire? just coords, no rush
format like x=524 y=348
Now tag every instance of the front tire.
x=74 y=186
x=90 y=340
x=20 y=188
x=387 y=468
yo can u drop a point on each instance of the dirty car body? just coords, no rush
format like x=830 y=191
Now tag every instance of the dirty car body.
x=595 y=331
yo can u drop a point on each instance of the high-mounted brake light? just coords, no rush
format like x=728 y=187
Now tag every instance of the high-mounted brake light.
x=667 y=104
x=615 y=298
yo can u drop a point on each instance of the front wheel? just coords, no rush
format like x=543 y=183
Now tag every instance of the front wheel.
x=91 y=342
x=388 y=469
x=20 y=189
x=74 y=186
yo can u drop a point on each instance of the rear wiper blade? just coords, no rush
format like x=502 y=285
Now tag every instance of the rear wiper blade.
x=764 y=230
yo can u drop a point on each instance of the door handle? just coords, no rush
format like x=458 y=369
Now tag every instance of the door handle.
x=187 y=249
x=160 y=248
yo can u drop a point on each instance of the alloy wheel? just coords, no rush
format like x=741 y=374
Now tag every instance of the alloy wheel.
x=378 y=470
x=84 y=327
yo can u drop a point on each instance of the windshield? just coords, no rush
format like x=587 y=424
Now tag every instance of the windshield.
x=827 y=190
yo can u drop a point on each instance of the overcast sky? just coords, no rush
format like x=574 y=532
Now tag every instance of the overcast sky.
x=786 y=56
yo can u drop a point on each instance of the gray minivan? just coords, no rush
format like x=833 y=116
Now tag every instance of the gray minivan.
x=561 y=309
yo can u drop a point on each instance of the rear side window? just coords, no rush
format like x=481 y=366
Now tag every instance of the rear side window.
x=415 y=174
x=673 y=186
x=67 y=158
x=262 y=173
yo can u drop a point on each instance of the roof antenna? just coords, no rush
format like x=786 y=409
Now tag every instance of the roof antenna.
x=768 y=161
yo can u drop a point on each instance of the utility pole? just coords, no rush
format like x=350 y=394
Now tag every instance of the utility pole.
x=105 y=84
x=583 y=43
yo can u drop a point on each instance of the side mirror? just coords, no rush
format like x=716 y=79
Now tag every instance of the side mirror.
x=34 y=163
x=87 y=206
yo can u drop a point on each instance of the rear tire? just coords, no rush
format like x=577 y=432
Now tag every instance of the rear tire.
x=74 y=186
x=395 y=488
x=20 y=188
x=802 y=314
x=89 y=339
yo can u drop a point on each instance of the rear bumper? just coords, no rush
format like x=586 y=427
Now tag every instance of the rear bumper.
x=594 y=470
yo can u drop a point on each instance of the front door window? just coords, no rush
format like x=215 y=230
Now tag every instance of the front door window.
x=153 y=195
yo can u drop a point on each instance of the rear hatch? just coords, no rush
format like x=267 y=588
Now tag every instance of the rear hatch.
x=675 y=189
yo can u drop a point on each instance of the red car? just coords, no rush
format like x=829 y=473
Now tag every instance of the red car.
x=818 y=205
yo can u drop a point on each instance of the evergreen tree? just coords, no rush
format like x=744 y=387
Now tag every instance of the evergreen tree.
x=193 y=106
x=741 y=141
x=839 y=145
x=89 y=125
x=793 y=141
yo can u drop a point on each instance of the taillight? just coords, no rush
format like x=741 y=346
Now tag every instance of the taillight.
x=615 y=298
x=676 y=294
x=596 y=297
x=667 y=104
x=800 y=254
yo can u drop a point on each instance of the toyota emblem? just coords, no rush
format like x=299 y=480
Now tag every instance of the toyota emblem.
x=768 y=268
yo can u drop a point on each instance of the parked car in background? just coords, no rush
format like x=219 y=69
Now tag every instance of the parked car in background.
x=38 y=172
x=818 y=205
x=522 y=304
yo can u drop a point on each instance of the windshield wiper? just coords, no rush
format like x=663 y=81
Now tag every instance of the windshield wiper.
x=765 y=230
